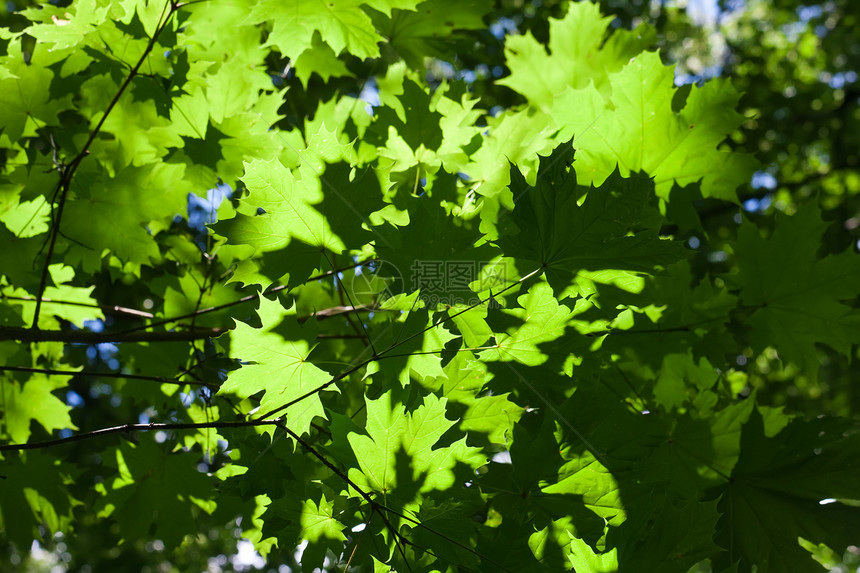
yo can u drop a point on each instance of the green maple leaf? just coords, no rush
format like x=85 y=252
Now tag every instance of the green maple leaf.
x=417 y=341
x=693 y=320
x=431 y=29
x=672 y=537
x=609 y=230
x=704 y=304
x=492 y=414
x=341 y=23
x=539 y=516
x=585 y=476
x=34 y=494
x=472 y=324
x=458 y=127
x=152 y=493
x=84 y=310
x=112 y=213
x=289 y=226
x=409 y=111
x=33 y=401
x=289 y=214
x=27 y=218
x=436 y=252
x=679 y=457
x=514 y=137
x=678 y=373
x=320 y=528
x=276 y=357
x=319 y=59
x=18 y=260
x=66 y=27
x=583 y=558
x=540 y=320
x=442 y=514
x=233 y=89
x=318 y=521
x=635 y=128
x=578 y=56
x=27 y=101
x=181 y=296
x=146 y=117
x=353 y=197
x=388 y=6
x=795 y=297
x=394 y=435
x=776 y=492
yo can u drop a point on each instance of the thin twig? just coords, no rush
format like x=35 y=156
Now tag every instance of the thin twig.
x=118 y=375
x=242 y=300
x=90 y=337
x=128 y=428
x=68 y=171
x=376 y=356
x=103 y=307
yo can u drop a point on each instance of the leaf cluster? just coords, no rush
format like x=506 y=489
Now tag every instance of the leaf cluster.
x=262 y=279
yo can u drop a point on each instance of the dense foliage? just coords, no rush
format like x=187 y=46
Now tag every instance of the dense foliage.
x=376 y=286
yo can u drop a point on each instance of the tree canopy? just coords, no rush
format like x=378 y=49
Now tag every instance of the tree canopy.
x=405 y=285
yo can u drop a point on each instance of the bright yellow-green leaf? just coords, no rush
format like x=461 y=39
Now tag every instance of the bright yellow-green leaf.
x=277 y=365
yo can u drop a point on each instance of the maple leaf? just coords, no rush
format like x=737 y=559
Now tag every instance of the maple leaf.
x=580 y=54
x=342 y=23
x=541 y=319
x=35 y=493
x=277 y=364
x=786 y=477
x=394 y=434
x=794 y=296
x=33 y=400
x=635 y=128
x=152 y=485
x=605 y=231
x=431 y=28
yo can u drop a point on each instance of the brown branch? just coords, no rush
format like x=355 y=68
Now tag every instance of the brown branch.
x=90 y=337
x=341 y=336
x=242 y=300
x=103 y=307
x=141 y=335
x=118 y=375
x=337 y=311
x=341 y=292
x=128 y=428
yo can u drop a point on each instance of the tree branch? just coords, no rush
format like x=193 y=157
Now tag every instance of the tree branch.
x=90 y=337
x=242 y=300
x=118 y=375
x=103 y=307
x=378 y=355
x=128 y=428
